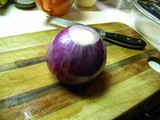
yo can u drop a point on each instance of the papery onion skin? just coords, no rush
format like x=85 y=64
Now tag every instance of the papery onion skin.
x=72 y=63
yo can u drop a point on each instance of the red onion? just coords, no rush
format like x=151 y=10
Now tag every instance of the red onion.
x=76 y=55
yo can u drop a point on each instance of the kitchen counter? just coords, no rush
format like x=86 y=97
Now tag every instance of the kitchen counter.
x=15 y=21
x=29 y=91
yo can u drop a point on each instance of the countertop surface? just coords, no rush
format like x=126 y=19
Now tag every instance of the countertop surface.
x=15 y=21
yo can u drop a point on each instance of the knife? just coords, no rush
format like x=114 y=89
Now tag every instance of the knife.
x=118 y=39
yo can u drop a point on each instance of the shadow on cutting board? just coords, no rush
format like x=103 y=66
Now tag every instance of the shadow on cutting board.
x=95 y=87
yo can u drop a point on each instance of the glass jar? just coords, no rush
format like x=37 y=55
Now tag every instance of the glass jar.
x=145 y=23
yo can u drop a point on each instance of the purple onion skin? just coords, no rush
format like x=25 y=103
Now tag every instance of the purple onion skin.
x=74 y=64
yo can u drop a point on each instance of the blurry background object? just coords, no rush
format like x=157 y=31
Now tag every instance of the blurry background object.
x=3 y=3
x=85 y=3
x=54 y=7
x=145 y=22
x=120 y=4
x=154 y=63
x=152 y=6
x=25 y=4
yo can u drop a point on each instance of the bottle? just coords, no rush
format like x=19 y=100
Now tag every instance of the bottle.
x=25 y=4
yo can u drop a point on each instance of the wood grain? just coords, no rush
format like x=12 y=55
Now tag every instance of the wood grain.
x=29 y=91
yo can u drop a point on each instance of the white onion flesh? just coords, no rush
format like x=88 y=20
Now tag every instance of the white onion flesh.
x=84 y=36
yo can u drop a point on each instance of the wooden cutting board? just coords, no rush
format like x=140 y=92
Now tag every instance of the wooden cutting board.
x=29 y=91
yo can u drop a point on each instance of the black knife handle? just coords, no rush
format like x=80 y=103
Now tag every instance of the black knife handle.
x=125 y=41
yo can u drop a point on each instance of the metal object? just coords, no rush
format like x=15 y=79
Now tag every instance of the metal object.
x=121 y=40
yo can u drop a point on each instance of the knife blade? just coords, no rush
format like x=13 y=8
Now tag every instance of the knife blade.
x=118 y=39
